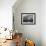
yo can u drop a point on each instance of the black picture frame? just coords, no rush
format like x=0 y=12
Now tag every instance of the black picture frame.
x=28 y=18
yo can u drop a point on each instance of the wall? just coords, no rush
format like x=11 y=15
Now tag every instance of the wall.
x=6 y=13
x=43 y=22
x=32 y=32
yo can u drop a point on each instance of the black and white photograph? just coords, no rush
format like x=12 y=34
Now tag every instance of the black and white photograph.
x=28 y=18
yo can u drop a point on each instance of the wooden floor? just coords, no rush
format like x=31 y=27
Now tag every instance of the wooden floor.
x=9 y=43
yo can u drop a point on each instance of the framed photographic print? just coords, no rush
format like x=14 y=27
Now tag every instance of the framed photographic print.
x=28 y=18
